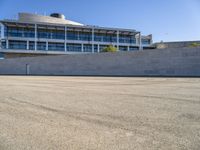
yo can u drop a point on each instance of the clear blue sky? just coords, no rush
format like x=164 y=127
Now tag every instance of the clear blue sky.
x=167 y=20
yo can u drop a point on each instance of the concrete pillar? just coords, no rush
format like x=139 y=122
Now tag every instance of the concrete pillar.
x=82 y=48
x=151 y=40
x=98 y=48
x=2 y=34
x=7 y=44
x=2 y=31
x=136 y=39
x=27 y=45
x=140 y=42
x=92 y=40
x=128 y=48
x=47 y=45
x=35 y=37
x=78 y=36
x=27 y=69
x=65 y=39
x=118 y=40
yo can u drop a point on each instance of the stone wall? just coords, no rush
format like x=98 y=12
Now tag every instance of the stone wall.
x=180 y=44
x=166 y=62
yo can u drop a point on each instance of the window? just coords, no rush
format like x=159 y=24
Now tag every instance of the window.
x=31 y=45
x=131 y=48
x=127 y=39
x=111 y=38
x=51 y=34
x=72 y=35
x=19 y=32
x=145 y=41
x=56 y=47
x=85 y=36
x=95 y=48
x=41 y=45
x=17 y=45
x=3 y=44
x=73 y=47
x=87 y=48
x=123 y=48
x=1 y=56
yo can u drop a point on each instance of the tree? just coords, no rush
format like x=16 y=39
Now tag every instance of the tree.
x=195 y=45
x=110 y=48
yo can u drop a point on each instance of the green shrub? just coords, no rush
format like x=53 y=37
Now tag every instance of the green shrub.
x=195 y=45
x=110 y=48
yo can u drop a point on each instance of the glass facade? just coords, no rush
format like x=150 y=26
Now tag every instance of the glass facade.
x=146 y=41
x=74 y=47
x=102 y=37
x=56 y=46
x=19 y=32
x=31 y=45
x=3 y=44
x=0 y=30
x=85 y=36
x=75 y=35
x=41 y=46
x=127 y=39
x=123 y=48
x=95 y=48
x=131 y=48
x=17 y=45
x=87 y=48
x=1 y=56
x=51 y=34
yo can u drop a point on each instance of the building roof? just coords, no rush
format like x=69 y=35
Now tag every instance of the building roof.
x=27 y=17
x=28 y=20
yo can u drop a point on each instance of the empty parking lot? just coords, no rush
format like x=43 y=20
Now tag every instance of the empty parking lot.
x=50 y=113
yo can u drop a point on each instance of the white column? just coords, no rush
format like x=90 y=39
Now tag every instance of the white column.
x=35 y=37
x=2 y=31
x=47 y=45
x=98 y=48
x=128 y=48
x=27 y=45
x=140 y=42
x=136 y=39
x=65 y=39
x=92 y=40
x=7 y=44
x=82 y=48
x=2 y=34
x=151 y=40
x=78 y=35
x=117 y=40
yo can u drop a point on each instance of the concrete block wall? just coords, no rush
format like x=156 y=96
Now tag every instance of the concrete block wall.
x=180 y=44
x=166 y=62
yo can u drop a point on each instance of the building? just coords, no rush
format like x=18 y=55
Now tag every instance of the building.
x=33 y=34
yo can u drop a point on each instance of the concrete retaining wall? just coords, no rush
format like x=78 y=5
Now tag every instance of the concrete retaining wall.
x=166 y=62
x=180 y=44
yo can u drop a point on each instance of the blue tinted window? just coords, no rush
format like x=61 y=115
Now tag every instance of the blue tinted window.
x=41 y=45
x=87 y=48
x=17 y=45
x=145 y=41
x=19 y=32
x=74 y=47
x=123 y=48
x=56 y=46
